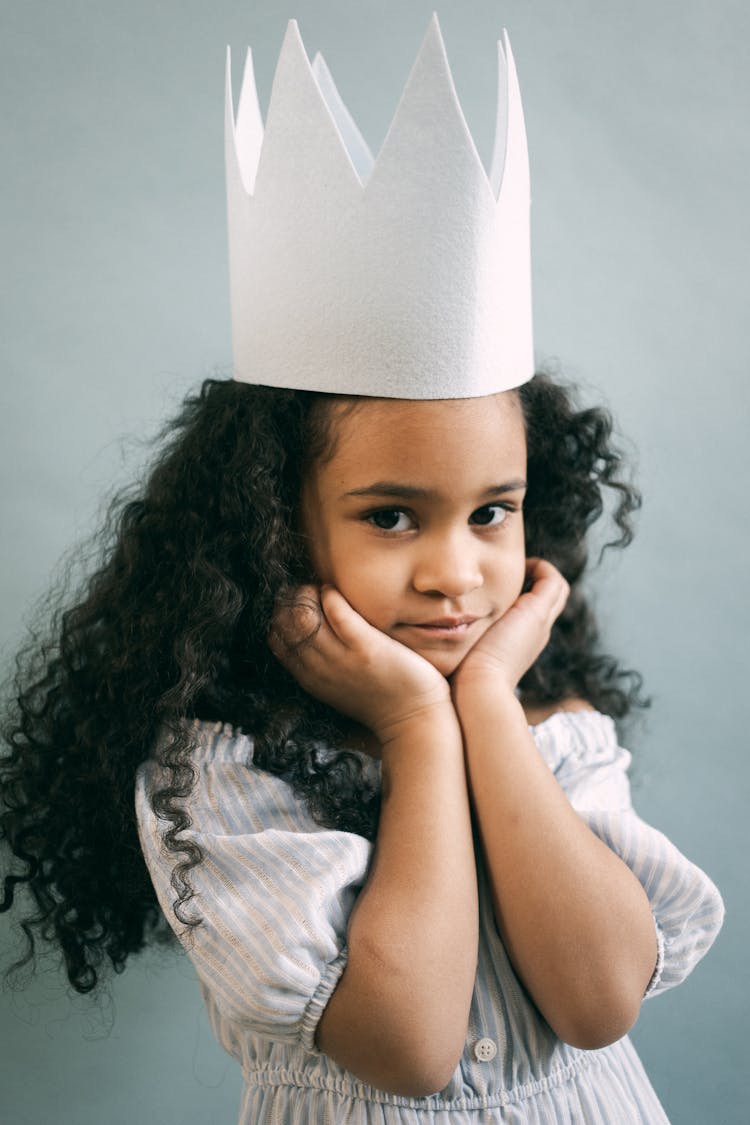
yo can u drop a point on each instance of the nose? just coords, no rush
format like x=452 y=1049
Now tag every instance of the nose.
x=448 y=564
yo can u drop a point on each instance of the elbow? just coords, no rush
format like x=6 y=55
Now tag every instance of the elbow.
x=421 y=1074
x=401 y=1076
x=422 y=1081
x=599 y=1026
x=436 y=1078
x=414 y=1074
x=412 y=1087
x=592 y=1037
x=405 y=1077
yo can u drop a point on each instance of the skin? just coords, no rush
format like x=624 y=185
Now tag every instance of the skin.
x=455 y=746
x=397 y=561
x=417 y=559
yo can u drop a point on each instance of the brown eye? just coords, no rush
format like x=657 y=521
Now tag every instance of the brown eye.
x=385 y=519
x=491 y=515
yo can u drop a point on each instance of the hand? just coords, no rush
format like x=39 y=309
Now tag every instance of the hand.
x=339 y=658
x=510 y=646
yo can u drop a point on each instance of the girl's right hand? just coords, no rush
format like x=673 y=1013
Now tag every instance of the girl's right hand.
x=341 y=659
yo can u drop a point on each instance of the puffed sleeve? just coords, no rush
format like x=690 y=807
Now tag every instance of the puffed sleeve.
x=274 y=889
x=581 y=748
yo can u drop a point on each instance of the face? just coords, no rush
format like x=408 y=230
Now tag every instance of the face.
x=417 y=517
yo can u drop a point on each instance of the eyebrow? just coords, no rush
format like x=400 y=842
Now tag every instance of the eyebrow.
x=409 y=491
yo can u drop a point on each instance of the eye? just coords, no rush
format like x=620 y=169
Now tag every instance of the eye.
x=389 y=518
x=493 y=515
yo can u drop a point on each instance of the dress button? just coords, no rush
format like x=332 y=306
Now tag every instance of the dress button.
x=485 y=1049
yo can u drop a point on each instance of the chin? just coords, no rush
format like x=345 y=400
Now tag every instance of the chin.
x=445 y=662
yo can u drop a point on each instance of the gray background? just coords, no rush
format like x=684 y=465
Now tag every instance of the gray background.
x=115 y=304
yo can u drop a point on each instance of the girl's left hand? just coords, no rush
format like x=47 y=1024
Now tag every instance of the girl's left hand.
x=510 y=646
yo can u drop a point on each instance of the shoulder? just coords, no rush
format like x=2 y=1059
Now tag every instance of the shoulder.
x=229 y=794
x=537 y=713
x=581 y=746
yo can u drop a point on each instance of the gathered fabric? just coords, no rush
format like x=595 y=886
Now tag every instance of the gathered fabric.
x=275 y=891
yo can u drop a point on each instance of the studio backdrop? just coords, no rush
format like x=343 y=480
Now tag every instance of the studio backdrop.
x=115 y=305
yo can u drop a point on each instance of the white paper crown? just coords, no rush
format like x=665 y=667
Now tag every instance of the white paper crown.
x=408 y=276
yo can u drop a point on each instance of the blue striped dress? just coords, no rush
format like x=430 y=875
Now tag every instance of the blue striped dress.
x=275 y=891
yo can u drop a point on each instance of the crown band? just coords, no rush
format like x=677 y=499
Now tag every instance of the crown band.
x=407 y=276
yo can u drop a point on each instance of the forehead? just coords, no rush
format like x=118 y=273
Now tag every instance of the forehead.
x=419 y=437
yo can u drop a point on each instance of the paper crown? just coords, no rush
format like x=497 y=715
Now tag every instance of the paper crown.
x=408 y=276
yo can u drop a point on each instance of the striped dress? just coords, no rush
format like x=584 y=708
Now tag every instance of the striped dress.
x=275 y=891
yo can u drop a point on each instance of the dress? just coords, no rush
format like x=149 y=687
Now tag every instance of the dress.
x=275 y=891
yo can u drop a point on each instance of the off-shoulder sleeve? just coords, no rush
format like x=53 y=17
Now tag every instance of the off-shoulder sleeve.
x=274 y=890
x=581 y=748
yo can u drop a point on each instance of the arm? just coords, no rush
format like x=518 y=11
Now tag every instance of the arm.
x=574 y=919
x=398 y=1016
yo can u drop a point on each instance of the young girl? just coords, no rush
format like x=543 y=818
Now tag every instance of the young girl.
x=337 y=683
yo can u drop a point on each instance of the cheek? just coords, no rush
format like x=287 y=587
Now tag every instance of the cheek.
x=369 y=580
x=517 y=565
x=520 y=575
x=365 y=581
x=509 y=573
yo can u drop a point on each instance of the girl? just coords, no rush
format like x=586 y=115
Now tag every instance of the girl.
x=332 y=710
x=403 y=902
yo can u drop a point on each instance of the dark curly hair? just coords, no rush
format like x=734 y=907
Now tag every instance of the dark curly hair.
x=171 y=625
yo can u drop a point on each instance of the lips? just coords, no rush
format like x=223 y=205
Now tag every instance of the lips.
x=444 y=628
x=445 y=622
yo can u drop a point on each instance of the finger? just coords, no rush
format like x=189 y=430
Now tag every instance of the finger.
x=561 y=600
x=549 y=590
x=348 y=625
x=540 y=568
x=544 y=577
x=558 y=593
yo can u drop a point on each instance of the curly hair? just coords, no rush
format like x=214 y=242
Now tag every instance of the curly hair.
x=171 y=625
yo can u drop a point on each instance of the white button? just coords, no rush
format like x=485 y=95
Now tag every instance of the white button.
x=485 y=1049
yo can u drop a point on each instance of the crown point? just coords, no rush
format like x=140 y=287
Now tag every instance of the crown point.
x=227 y=73
x=293 y=47
x=243 y=130
x=248 y=78
x=429 y=129
x=421 y=283
x=302 y=135
x=293 y=34
x=434 y=32
x=354 y=143
x=506 y=47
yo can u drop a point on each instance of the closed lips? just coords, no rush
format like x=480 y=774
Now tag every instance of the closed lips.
x=446 y=622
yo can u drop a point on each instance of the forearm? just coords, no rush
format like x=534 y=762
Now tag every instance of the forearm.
x=574 y=919
x=413 y=933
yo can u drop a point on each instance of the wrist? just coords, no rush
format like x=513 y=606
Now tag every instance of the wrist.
x=475 y=692
x=421 y=718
